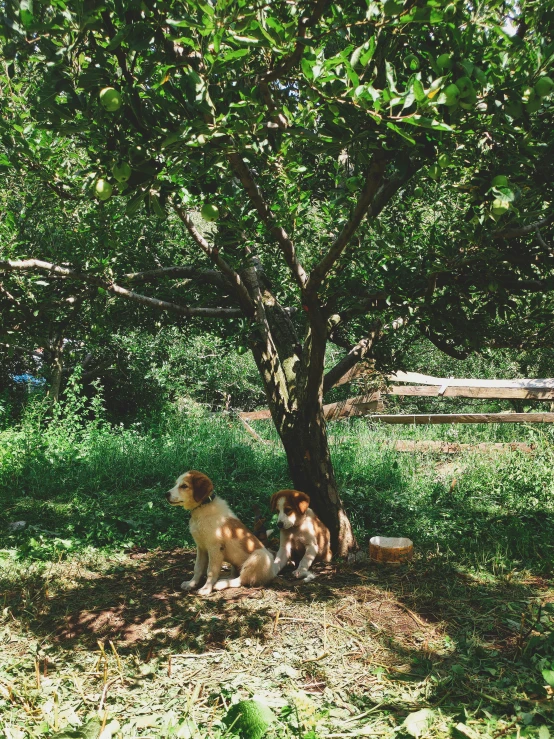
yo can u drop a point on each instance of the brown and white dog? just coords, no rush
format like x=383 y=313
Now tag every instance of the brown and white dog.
x=303 y=536
x=220 y=537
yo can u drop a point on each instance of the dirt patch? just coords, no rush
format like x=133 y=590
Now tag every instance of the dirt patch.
x=357 y=637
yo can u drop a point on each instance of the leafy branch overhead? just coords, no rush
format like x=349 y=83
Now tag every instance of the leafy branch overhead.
x=245 y=104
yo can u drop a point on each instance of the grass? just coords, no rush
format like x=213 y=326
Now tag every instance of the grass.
x=95 y=629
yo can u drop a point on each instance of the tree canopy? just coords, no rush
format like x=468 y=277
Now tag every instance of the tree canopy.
x=365 y=167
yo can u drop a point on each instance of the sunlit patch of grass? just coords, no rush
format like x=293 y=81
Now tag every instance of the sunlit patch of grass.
x=105 y=487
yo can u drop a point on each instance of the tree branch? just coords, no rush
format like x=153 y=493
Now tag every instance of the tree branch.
x=441 y=344
x=29 y=265
x=355 y=355
x=293 y=59
x=279 y=234
x=279 y=120
x=239 y=289
x=57 y=187
x=369 y=301
x=210 y=276
x=22 y=350
x=513 y=233
x=373 y=180
x=373 y=198
x=359 y=352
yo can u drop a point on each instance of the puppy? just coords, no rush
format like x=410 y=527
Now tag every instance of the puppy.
x=220 y=537
x=302 y=535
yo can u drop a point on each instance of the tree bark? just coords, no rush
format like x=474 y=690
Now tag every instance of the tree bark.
x=304 y=437
x=56 y=368
x=293 y=382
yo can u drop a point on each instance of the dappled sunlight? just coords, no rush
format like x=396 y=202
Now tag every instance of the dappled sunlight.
x=360 y=637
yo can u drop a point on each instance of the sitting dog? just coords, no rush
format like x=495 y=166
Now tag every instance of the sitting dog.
x=220 y=537
x=303 y=536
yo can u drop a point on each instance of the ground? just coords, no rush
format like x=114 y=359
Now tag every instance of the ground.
x=95 y=633
x=350 y=654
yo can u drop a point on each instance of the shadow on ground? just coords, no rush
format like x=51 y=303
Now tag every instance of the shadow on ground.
x=137 y=601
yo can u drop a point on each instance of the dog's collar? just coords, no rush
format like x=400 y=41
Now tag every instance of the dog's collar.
x=209 y=499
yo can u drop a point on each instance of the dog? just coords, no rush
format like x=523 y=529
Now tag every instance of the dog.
x=219 y=537
x=302 y=535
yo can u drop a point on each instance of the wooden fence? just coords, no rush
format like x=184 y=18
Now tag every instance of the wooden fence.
x=370 y=404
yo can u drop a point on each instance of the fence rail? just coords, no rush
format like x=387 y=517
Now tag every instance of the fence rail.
x=428 y=418
x=449 y=391
x=370 y=404
x=534 y=384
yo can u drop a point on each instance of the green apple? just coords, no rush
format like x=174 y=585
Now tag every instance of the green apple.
x=500 y=181
x=444 y=61
x=544 y=86
x=434 y=171
x=249 y=718
x=500 y=206
x=451 y=93
x=110 y=98
x=209 y=212
x=121 y=171
x=465 y=86
x=103 y=189
x=418 y=192
x=412 y=62
x=533 y=105
x=469 y=101
x=443 y=160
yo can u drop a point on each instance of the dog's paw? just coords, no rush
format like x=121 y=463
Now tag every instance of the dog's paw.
x=188 y=585
x=300 y=574
x=221 y=585
x=206 y=590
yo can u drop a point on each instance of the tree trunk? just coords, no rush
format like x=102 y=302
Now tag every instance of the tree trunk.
x=56 y=368
x=298 y=415
x=304 y=438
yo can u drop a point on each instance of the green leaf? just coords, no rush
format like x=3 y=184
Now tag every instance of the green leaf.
x=367 y=56
x=134 y=204
x=26 y=12
x=90 y=730
x=549 y=677
x=237 y=54
x=307 y=69
x=419 y=92
x=391 y=76
x=400 y=132
x=423 y=122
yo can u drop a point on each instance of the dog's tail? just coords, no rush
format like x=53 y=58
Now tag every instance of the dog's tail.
x=258 y=568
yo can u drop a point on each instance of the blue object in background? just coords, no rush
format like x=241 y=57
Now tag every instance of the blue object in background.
x=28 y=380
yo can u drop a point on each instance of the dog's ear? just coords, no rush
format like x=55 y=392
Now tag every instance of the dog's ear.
x=201 y=485
x=273 y=502
x=302 y=501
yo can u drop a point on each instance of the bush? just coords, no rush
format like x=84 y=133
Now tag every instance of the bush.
x=154 y=372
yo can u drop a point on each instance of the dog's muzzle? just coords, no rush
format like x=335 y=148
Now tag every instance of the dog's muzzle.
x=168 y=498
x=279 y=524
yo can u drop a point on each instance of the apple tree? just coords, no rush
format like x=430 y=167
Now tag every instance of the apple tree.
x=365 y=167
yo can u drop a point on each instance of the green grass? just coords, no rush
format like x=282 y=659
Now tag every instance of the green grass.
x=91 y=484
x=464 y=631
